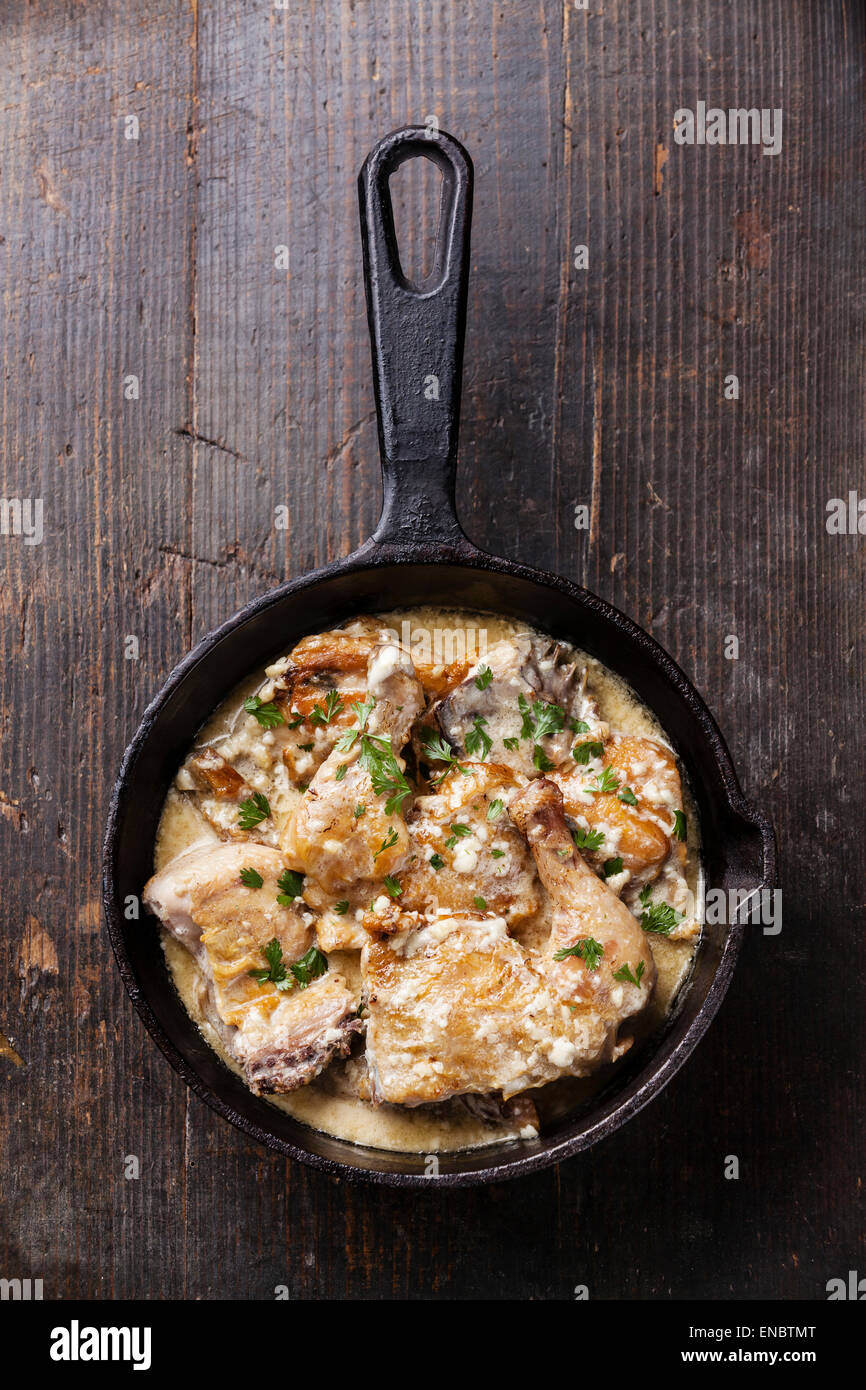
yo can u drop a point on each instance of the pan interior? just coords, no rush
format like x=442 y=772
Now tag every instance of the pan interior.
x=271 y=625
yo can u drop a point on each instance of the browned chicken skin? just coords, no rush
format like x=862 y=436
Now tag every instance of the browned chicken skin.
x=346 y=831
x=454 y=1007
x=641 y=834
x=467 y=849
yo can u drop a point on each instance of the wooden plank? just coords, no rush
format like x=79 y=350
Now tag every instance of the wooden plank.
x=158 y=257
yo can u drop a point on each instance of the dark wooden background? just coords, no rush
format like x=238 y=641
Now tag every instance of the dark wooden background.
x=155 y=257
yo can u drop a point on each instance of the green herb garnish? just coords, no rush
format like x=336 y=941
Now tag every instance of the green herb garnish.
x=606 y=782
x=389 y=841
x=392 y=887
x=588 y=949
x=480 y=904
x=679 y=825
x=253 y=811
x=540 y=719
x=658 y=917
x=251 y=878
x=625 y=974
x=612 y=866
x=477 y=741
x=363 y=709
x=587 y=839
x=484 y=677
x=628 y=797
x=332 y=707
x=582 y=752
x=291 y=886
x=310 y=966
x=457 y=833
x=267 y=714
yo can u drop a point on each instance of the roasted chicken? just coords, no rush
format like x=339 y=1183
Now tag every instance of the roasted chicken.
x=221 y=903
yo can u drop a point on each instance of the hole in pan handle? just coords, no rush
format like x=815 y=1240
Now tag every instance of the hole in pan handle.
x=416 y=333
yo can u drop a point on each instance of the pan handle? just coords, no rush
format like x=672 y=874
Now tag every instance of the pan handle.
x=416 y=334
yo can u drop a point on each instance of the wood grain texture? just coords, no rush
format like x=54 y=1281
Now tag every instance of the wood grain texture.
x=156 y=257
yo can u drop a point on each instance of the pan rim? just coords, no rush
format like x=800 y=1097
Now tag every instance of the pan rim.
x=654 y=1074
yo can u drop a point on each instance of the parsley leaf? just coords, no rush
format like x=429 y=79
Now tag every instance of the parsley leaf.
x=497 y=854
x=484 y=677
x=477 y=741
x=276 y=972
x=342 y=907
x=333 y=706
x=606 y=782
x=582 y=752
x=612 y=866
x=679 y=825
x=658 y=917
x=392 y=887
x=437 y=750
x=251 y=878
x=540 y=719
x=480 y=904
x=253 y=811
x=378 y=758
x=311 y=965
x=587 y=839
x=495 y=809
x=511 y=743
x=359 y=810
x=291 y=886
x=625 y=974
x=267 y=714
x=340 y=773
x=541 y=760
x=578 y=726
x=437 y=862
x=389 y=840
x=627 y=796
x=457 y=833
x=363 y=709
x=588 y=949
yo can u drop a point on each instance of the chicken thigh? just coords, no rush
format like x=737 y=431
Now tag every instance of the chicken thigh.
x=523 y=703
x=453 y=1006
x=468 y=854
x=350 y=828
x=221 y=903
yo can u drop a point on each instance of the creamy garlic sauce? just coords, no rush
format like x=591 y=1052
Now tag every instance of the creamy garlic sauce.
x=326 y=1103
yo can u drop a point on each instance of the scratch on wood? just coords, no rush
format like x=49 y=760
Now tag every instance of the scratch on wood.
x=197 y=438
x=595 y=500
x=38 y=951
x=8 y=1051
x=47 y=192
x=661 y=159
